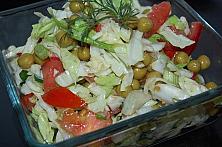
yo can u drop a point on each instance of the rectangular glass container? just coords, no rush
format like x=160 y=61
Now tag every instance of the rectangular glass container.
x=146 y=129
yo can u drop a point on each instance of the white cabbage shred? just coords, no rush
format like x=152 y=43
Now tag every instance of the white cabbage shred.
x=134 y=101
x=176 y=40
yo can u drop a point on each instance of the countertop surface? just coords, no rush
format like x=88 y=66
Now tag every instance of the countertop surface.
x=211 y=136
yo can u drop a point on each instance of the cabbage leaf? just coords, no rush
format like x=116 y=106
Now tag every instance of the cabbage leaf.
x=70 y=63
x=176 y=40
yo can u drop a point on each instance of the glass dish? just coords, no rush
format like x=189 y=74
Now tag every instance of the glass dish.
x=142 y=130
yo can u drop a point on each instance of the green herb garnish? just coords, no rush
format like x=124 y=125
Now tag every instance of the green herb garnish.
x=38 y=79
x=156 y=38
x=24 y=75
x=100 y=116
x=105 y=9
x=121 y=12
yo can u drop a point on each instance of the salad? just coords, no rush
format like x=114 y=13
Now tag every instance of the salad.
x=98 y=62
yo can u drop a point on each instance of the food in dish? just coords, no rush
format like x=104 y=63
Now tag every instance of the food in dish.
x=99 y=62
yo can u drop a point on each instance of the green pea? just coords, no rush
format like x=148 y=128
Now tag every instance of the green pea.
x=41 y=52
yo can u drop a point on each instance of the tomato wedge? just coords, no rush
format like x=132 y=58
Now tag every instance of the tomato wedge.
x=170 y=50
x=25 y=100
x=85 y=121
x=50 y=69
x=64 y=98
x=159 y=14
x=195 y=32
x=98 y=27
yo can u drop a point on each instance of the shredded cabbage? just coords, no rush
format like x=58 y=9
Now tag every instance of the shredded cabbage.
x=110 y=80
x=83 y=92
x=41 y=117
x=160 y=64
x=64 y=79
x=168 y=93
x=52 y=47
x=25 y=89
x=50 y=111
x=36 y=70
x=175 y=21
x=117 y=66
x=97 y=64
x=127 y=79
x=83 y=70
x=59 y=14
x=187 y=29
x=45 y=128
x=134 y=101
x=147 y=107
x=77 y=32
x=12 y=51
x=135 y=48
x=191 y=86
x=152 y=47
x=44 y=29
x=112 y=33
x=29 y=46
x=100 y=103
x=171 y=77
x=176 y=40
x=33 y=85
x=114 y=102
x=132 y=52
x=70 y=63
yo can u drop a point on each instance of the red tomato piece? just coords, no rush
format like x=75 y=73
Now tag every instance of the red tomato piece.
x=195 y=32
x=170 y=50
x=194 y=76
x=64 y=98
x=159 y=14
x=78 y=123
x=25 y=100
x=98 y=28
x=51 y=69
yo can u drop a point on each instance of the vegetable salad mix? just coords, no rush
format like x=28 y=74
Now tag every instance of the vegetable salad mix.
x=98 y=62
